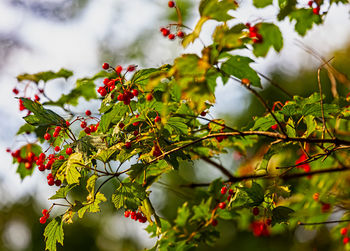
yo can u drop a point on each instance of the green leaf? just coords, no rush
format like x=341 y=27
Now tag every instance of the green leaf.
x=62 y=192
x=53 y=233
x=69 y=171
x=183 y=213
x=305 y=19
x=262 y=3
x=176 y=124
x=154 y=171
x=85 y=89
x=217 y=10
x=310 y=124
x=255 y=193
x=229 y=38
x=190 y=73
x=45 y=76
x=264 y=123
x=272 y=37
x=129 y=195
x=291 y=130
x=24 y=150
x=25 y=129
x=227 y=215
x=315 y=109
x=286 y=7
x=202 y=211
x=142 y=77
x=92 y=206
x=281 y=214
x=238 y=66
x=105 y=154
x=114 y=114
x=41 y=117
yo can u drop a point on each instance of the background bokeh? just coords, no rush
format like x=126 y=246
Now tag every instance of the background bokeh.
x=39 y=35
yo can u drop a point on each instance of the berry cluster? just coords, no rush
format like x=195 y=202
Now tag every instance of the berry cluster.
x=254 y=35
x=51 y=180
x=223 y=191
x=305 y=166
x=24 y=93
x=344 y=232
x=110 y=84
x=315 y=7
x=137 y=216
x=28 y=161
x=261 y=227
x=46 y=215
x=166 y=31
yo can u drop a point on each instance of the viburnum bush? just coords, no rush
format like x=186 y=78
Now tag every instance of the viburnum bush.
x=151 y=121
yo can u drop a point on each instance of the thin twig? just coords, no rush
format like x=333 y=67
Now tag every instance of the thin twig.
x=321 y=223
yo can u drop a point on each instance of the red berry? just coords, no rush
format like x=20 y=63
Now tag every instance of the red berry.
x=83 y=124
x=47 y=136
x=136 y=123
x=105 y=66
x=28 y=165
x=93 y=128
x=136 y=132
x=230 y=192
x=222 y=205
x=135 y=92
x=127 y=214
x=223 y=190
x=316 y=196
x=118 y=69
x=203 y=113
x=88 y=112
x=256 y=211
x=15 y=91
x=165 y=32
x=149 y=97
x=171 y=4
x=131 y=68
x=253 y=29
x=58 y=183
x=87 y=130
x=41 y=168
x=36 y=97
x=121 y=125
x=51 y=182
x=310 y=3
x=67 y=123
x=274 y=127
x=57 y=148
x=180 y=34
x=42 y=156
x=157 y=119
x=316 y=10
x=44 y=212
x=171 y=36
x=103 y=92
x=346 y=240
x=343 y=231
x=127 y=145
x=55 y=134
x=69 y=151
x=61 y=157
x=325 y=207
x=214 y=222
x=42 y=220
